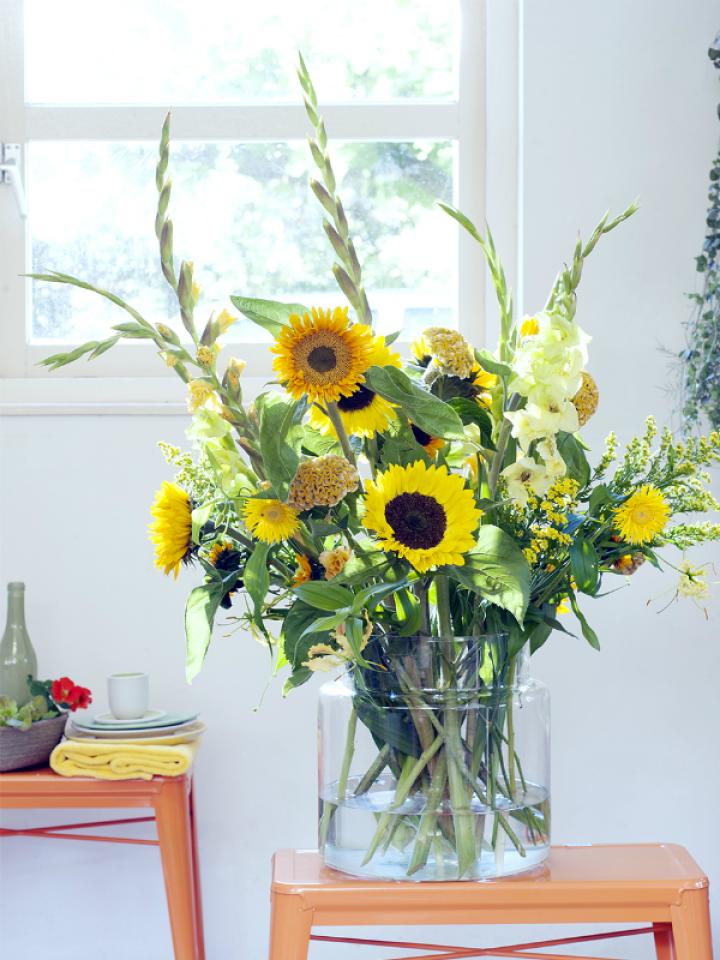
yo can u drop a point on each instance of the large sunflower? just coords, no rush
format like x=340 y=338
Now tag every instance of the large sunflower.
x=643 y=515
x=270 y=520
x=322 y=357
x=424 y=514
x=171 y=529
x=363 y=412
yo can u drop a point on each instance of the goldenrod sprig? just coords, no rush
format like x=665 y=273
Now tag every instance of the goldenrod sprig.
x=348 y=272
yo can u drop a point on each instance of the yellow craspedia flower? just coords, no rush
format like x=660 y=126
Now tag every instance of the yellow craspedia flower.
x=270 y=520
x=424 y=514
x=363 y=412
x=586 y=399
x=322 y=356
x=171 y=528
x=643 y=515
x=322 y=482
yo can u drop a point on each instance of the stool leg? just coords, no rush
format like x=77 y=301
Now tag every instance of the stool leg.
x=663 y=941
x=172 y=813
x=691 y=926
x=290 y=928
x=199 y=931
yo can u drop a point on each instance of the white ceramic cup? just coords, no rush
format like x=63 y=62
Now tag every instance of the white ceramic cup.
x=129 y=695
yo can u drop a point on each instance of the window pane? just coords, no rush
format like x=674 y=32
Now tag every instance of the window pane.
x=176 y=51
x=243 y=212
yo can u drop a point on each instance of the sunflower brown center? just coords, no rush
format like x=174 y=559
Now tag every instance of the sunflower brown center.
x=418 y=521
x=324 y=357
x=422 y=438
x=359 y=400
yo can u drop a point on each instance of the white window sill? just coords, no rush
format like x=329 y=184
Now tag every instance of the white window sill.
x=104 y=396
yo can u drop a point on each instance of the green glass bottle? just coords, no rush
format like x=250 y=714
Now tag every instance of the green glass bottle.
x=17 y=656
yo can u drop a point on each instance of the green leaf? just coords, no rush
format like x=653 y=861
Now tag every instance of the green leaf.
x=324 y=596
x=257 y=581
x=598 y=498
x=496 y=569
x=585 y=565
x=376 y=593
x=409 y=613
x=488 y=362
x=278 y=418
x=296 y=642
x=271 y=315
x=319 y=444
x=200 y=517
x=539 y=635
x=200 y=610
x=587 y=630
x=324 y=624
x=470 y=411
x=296 y=679
x=570 y=449
x=425 y=410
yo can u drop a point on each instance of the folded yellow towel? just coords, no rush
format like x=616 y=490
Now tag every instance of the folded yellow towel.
x=121 y=759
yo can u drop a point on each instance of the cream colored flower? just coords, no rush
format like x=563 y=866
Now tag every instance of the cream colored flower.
x=333 y=561
x=524 y=477
x=692 y=582
x=201 y=394
x=224 y=321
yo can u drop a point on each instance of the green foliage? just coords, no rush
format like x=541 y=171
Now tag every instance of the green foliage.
x=585 y=565
x=280 y=438
x=271 y=315
x=571 y=450
x=22 y=718
x=497 y=570
x=425 y=410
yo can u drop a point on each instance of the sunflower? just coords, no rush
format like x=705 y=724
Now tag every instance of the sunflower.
x=430 y=444
x=270 y=520
x=322 y=357
x=424 y=514
x=171 y=529
x=482 y=382
x=642 y=516
x=363 y=412
x=421 y=351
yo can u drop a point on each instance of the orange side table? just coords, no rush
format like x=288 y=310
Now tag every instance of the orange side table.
x=170 y=798
x=657 y=885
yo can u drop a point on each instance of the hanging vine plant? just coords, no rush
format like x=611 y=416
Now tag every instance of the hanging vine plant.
x=701 y=357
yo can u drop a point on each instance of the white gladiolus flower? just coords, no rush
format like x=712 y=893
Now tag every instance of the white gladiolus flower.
x=523 y=477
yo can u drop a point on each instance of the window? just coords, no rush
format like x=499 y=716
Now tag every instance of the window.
x=85 y=96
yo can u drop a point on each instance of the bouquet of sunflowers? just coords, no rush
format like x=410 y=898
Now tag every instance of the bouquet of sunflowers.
x=368 y=501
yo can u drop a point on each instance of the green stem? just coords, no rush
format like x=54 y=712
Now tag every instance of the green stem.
x=330 y=808
x=336 y=420
x=502 y=443
x=511 y=728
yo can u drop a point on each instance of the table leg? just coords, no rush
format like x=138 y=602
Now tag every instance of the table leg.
x=172 y=812
x=691 y=926
x=663 y=941
x=199 y=931
x=290 y=928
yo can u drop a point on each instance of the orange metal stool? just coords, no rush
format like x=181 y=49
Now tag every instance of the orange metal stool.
x=170 y=798
x=657 y=885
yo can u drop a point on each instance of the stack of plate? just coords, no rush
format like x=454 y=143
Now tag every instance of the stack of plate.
x=153 y=725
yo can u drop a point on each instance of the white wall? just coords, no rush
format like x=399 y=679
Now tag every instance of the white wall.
x=620 y=101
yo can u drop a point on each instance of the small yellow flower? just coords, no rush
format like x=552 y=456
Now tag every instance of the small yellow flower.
x=322 y=482
x=333 y=561
x=171 y=529
x=170 y=360
x=529 y=327
x=270 y=520
x=200 y=394
x=643 y=515
x=692 y=582
x=205 y=356
x=224 y=320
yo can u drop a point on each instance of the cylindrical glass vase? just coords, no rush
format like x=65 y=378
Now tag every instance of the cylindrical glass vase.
x=434 y=762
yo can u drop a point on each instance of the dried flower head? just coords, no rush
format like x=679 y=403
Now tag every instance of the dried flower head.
x=451 y=353
x=322 y=482
x=334 y=561
x=586 y=399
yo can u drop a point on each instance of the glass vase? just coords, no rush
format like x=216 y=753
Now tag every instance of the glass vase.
x=434 y=762
x=17 y=655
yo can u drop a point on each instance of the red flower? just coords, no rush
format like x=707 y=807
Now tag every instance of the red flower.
x=67 y=694
x=61 y=690
x=80 y=698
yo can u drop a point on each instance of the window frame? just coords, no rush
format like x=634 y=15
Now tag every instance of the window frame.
x=483 y=122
